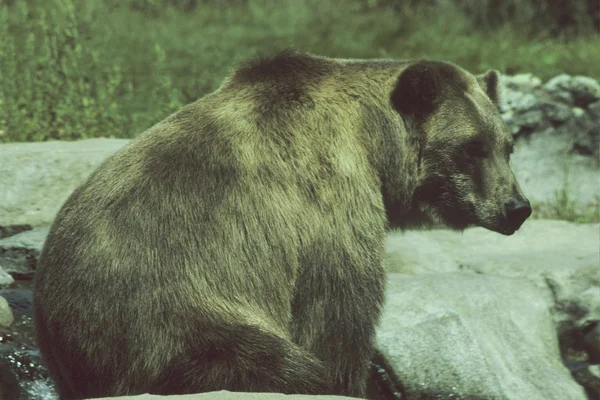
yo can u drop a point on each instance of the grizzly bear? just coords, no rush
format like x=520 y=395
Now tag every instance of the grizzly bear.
x=239 y=244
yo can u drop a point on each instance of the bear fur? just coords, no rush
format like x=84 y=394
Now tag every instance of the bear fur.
x=238 y=244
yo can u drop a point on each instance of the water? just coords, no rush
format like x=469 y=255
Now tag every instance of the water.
x=39 y=389
x=22 y=372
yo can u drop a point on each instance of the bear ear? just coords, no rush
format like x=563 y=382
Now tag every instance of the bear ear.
x=490 y=83
x=417 y=90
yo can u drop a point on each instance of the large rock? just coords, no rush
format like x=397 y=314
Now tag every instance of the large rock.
x=560 y=257
x=545 y=167
x=36 y=178
x=6 y=315
x=557 y=127
x=19 y=253
x=5 y=278
x=469 y=336
x=577 y=90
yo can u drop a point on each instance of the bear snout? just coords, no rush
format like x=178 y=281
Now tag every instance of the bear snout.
x=517 y=211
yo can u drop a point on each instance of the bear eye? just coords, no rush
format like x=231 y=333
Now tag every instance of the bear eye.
x=475 y=149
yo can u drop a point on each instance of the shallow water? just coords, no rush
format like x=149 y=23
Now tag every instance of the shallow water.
x=39 y=390
x=22 y=372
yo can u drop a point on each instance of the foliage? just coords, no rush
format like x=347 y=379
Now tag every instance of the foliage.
x=95 y=68
x=54 y=85
x=564 y=208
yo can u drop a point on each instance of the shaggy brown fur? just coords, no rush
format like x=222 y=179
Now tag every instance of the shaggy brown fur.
x=238 y=244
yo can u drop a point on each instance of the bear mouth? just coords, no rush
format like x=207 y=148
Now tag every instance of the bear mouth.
x=507 y=230
x=503 y=226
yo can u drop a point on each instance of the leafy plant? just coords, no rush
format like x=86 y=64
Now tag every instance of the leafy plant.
x=77 y=69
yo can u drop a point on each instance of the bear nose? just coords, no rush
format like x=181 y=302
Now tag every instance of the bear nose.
x=517 y=211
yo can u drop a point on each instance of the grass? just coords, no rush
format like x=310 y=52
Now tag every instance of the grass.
x=99 y=68
x=563 y=207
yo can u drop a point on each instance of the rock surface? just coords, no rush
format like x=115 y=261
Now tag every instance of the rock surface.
x=544 y=167
x=5 y=278
x=557 y=132
x=462 y=335
x=561 y=257
x=19 y=253
x=6 y=315
x=36 y=178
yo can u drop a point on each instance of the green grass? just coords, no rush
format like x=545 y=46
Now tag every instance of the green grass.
x=564 y=208
x=98 y=68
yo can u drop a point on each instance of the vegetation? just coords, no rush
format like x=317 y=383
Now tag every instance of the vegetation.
x=564 y=207
x=111 y=68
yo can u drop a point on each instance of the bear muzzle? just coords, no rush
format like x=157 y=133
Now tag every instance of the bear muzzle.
x=517 y=210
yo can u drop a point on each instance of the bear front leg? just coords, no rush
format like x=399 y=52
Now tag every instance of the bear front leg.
x=334 y=314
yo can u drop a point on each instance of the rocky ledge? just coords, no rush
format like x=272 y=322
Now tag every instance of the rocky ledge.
x=556 y=126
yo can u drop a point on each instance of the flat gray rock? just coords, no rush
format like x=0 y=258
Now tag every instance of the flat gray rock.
x=19 y=253
x=6 y=315
x=466 y=336
x=559 y=256
x=544 y=164
x=36 y=178
x=5 y=278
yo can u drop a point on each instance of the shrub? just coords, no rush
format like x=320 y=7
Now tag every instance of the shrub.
x=54 y=85
x=77 y=69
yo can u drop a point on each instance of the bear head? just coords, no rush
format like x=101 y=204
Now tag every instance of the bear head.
x=464 y=148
